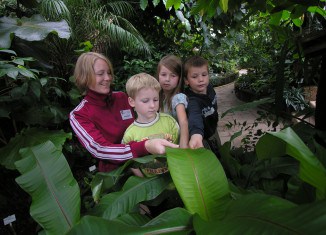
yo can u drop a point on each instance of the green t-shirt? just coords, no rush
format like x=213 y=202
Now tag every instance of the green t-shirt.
x=164 y=126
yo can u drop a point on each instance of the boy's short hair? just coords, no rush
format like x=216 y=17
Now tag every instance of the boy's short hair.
x=84 y=73
x=194 y=61
x=141 y=80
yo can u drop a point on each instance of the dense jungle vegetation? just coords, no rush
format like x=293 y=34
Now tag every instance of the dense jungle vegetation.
x=276 y=185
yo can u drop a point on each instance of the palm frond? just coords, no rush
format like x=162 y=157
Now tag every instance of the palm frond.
x=105 y=25
x=121 y=8
x=120 y=31
x=55 y=10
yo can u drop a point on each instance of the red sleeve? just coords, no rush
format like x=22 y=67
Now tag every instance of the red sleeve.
x=92 y=139
x=138 y=149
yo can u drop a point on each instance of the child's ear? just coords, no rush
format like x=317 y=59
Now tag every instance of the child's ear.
x=131 y=102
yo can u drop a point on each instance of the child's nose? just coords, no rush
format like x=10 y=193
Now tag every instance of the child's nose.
x=152 y=103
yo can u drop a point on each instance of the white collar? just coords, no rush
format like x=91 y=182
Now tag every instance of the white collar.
x=149 y=123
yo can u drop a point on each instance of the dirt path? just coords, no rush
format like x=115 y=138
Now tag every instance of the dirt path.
x=227 y=99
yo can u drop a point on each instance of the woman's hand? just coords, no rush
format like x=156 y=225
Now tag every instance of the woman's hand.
x=157 y=146
x=196 y=141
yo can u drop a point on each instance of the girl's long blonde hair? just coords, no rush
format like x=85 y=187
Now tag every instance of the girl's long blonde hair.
x=174 y=64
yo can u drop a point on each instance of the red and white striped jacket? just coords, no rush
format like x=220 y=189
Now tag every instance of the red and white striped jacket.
x=99 y=122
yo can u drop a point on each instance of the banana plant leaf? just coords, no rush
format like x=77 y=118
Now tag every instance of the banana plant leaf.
x=134 y=191
x=271 y=168
x=135 y=219
x=200 y=180
x=246 y=106
x=174 y=221
x=265 y=214
x=9 y=154
x=35 y=28
x=104 y=181
x=47 y=177
x=287 y=142
x=230 y=165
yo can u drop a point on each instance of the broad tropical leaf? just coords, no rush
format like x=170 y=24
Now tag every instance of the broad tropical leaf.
x=247 y=106
x=265 y=214
x=103 y=181
x=30 y=29
x=200 y=180
x=134 y=191
x=175 y=221
x=136 y=219
x=27 y=138
x=47 y=177
x=311 y=170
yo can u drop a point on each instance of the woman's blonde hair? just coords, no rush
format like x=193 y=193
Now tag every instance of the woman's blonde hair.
x=141 y=80
x=84 y=73
x=174 y=64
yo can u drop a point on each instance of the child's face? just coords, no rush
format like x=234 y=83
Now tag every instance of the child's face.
x=168 y=80
x=103 y=77
x=146 y=104
x=198 y=79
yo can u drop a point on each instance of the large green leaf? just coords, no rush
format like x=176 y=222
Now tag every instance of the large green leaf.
x=246 y=106
x=29 y=137
x=35 y=28
x=200 y=180
x=271 y=168
x=47 y=177
x=265 y=214
x=175 y=221
x=134 y=191
x=311 y=170
x=103 y=181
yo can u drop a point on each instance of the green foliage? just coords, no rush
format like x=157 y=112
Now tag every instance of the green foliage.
x=179 y=31
x=259 y=213
x=134 y=191
x=176 y=221
x=54 y=10
x=257 y=85
x=132 y=66
x=201 y=182
x=106 y=25
x=26 y=97
x=294 y=99
x=311 y=169
x=9 y=154
x=55 y=195
x=30 y=29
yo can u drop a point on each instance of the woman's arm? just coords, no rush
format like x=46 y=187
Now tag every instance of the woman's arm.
x=94 y=141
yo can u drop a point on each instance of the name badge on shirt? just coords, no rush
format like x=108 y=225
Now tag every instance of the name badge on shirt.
x=125 y=114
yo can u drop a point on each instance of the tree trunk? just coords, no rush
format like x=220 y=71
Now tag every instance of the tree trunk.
x=280 y=81
x=320 y=115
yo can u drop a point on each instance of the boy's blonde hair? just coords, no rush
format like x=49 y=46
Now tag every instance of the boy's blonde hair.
x=139 y=81
x=84 y=73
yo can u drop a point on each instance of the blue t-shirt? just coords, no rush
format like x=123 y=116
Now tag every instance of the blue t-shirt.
x=179 y=98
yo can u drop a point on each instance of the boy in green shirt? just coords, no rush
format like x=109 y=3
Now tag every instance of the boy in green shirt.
x=143 y=91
